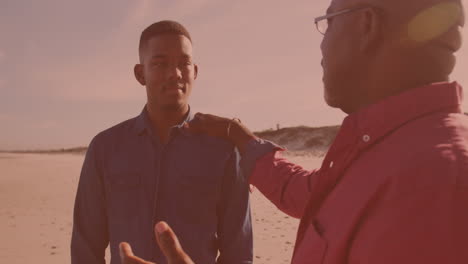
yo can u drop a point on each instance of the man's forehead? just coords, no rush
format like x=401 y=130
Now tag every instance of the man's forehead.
x=402 y=9
x=160 y=55
x=340 y=4
x=417 y=13
x=334 y=4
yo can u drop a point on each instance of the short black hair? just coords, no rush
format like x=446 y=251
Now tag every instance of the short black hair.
x=161 y=28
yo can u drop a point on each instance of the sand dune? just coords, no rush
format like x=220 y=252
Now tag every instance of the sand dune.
x=303 y=140
x=37 y=194
x=300 y=140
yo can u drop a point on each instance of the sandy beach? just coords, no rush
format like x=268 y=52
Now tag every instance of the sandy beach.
x=37 y=192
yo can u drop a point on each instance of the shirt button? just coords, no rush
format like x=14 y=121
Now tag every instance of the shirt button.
x=331 y=164
x=366 y=138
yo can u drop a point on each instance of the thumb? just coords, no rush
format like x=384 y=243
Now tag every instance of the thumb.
x=169 y=244
x=127 y=257
x=195 y=125
x=125 y=251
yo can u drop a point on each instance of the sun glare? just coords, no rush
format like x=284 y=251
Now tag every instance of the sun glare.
x=434 y=21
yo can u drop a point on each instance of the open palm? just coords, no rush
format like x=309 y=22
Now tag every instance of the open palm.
x=167 y=241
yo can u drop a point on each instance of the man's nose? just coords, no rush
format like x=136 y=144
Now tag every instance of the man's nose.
x=174 y=73
x=322 y=43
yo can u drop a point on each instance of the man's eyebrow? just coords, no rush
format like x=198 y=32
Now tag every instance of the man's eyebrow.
x=463 y=17
x=158 y=57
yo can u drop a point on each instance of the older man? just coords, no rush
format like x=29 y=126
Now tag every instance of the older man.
x=393 y=187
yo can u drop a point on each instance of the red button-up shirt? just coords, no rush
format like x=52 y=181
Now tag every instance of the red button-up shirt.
x=393 y=187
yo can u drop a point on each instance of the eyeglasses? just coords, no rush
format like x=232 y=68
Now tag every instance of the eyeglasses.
x=322 y=22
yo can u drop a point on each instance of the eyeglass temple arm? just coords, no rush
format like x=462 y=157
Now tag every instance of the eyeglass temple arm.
x=320 y=18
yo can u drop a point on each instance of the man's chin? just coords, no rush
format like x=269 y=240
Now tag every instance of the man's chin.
x=332 y=103
x=176 y=106
x=335 y=102
x=330 y=99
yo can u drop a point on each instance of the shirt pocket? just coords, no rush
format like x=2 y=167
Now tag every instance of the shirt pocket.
x=312 y=248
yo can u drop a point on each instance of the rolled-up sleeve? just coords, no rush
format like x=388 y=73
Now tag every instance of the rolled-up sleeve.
x=256 y=149
x=285 y=184
x=235 y=226
x=90 y=234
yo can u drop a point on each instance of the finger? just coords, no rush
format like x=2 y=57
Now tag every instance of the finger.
x=198 y=114
x=167 y=240
x=127 y=256
x=125 y=250
x=196 y=124
x=169 y=244
x=192 y=127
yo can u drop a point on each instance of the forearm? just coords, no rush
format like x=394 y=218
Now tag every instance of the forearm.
x=285 y=184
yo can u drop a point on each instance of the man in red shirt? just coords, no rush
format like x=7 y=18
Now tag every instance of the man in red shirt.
x=393 y=187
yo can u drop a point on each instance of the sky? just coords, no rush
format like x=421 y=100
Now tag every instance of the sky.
x=66 y=66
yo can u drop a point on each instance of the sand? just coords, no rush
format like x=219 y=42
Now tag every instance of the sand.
x=37 y=192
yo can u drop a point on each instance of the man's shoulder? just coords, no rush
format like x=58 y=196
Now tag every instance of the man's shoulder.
x=116 y=132
x=436 y=135
x=438 y=140
x=437 y=128
x=448 y=131
x=456 y=148
x=215 y=147
x=439 y=151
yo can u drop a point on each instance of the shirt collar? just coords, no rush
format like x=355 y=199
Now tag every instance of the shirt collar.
x=381 y=118
x=142 y=122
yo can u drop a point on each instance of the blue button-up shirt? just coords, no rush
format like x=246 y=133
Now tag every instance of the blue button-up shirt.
x=130 y=181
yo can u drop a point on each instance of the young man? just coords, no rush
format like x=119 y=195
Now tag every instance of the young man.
x=149 y=169
x=393 y=187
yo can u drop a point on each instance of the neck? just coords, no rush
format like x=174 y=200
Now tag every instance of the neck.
x=163 y=119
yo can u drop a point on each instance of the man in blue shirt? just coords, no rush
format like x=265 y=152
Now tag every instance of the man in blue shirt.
x=148 y=169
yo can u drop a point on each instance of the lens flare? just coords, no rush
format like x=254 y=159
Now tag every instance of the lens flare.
x=434 y=21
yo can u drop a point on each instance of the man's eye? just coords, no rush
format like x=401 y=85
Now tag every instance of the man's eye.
x=159 y=64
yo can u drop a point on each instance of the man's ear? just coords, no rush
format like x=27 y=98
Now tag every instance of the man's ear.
x=196 y=71
x=371 y=29
x=139 y=75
